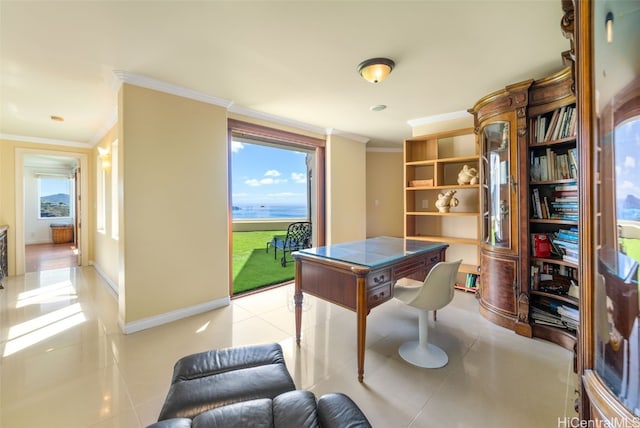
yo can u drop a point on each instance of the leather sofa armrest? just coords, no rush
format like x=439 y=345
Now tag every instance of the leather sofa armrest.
x=339 y=411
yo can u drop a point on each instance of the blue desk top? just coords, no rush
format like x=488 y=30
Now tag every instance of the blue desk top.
x=372 y=252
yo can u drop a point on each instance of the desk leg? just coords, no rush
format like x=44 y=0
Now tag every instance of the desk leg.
x=297 y=298
x=361 y=313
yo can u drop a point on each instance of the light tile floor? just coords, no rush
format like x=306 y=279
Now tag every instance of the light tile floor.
x=65 y=363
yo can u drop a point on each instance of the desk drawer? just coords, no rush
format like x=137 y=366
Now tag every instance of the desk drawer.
x=408 y=268
x=378 y=277
x=416 y=268
x=434 y=259
x=378 y=294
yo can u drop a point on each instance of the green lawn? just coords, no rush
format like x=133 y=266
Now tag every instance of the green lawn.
x=252 y=266
x=631 y=247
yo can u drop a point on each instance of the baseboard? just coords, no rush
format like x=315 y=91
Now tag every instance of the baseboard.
x=168 y=317
x=112 y=285
x=47 y=241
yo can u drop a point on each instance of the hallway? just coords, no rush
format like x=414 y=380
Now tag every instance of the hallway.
x=39 y=257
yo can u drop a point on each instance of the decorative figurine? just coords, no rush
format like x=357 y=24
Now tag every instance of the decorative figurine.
x=446 y=201
x=468 y=175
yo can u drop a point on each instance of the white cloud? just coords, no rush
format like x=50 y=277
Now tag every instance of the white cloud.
x=236 y=146
x=272 y=173
x=299 y=177
x=629 y=162
x=254 y=182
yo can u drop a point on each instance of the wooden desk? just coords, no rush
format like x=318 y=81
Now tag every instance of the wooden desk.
x=360 y=275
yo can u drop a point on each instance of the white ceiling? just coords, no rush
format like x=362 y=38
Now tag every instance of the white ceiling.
x=289 y=60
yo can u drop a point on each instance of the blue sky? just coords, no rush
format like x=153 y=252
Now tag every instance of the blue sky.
x=53 y=186
x=267 y=175
x=627 y=140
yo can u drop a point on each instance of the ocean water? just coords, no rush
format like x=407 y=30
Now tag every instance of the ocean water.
x=267 y=211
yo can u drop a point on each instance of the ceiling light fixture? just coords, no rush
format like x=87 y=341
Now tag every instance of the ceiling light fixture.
x=375 y=70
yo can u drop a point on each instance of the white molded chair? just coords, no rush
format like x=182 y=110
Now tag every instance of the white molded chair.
x=434 y=293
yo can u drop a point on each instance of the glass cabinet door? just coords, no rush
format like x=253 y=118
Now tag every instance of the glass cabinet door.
x=496 y=200
x=616 y=320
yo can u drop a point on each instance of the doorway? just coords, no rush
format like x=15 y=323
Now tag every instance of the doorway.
x=49 y=214
x=310 y=175
x=270 y=192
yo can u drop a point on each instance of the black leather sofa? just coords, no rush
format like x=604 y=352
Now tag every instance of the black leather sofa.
x=248 y=387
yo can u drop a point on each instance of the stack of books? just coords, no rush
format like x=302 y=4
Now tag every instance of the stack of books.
x=561 y=203
x=472 y=278
x=552 y=313
x=566 y=242
x=569 y=316
x=565 y=202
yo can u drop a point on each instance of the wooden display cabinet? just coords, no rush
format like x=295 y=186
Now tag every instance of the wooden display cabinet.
x=431 y=167
x=500 y=127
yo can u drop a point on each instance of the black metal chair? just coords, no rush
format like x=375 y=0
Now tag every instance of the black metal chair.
x=297 y=238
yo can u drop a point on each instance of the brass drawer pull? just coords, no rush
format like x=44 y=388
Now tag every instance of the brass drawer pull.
x=378 y=296
x=379 y=279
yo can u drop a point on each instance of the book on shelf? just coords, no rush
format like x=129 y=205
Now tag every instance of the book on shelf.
x=550 y=268
x=535 y=167
x=573 y=162
x=551 y=165
x=547 y=311
x=545 y=208
x=552 y=125
x=567 y=187
x=570 y=234
x=566 y=244
x=537 y=207
x=541 y=246
x=471 y=280
x=544 y=168
x=556 y=125
x=556 y=130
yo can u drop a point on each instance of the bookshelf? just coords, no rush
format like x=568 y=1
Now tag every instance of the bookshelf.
x=553 y=210
x=432 y=164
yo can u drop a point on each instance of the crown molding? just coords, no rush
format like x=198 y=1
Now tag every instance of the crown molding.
x=169 y=88
x=355 y=137
x=48 y=141
x=275 y=119
x=113 y=119
x=158 y=85
x=437 y=118
x=384 y=150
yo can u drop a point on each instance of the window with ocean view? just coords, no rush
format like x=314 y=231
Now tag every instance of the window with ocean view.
x=268 y=182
